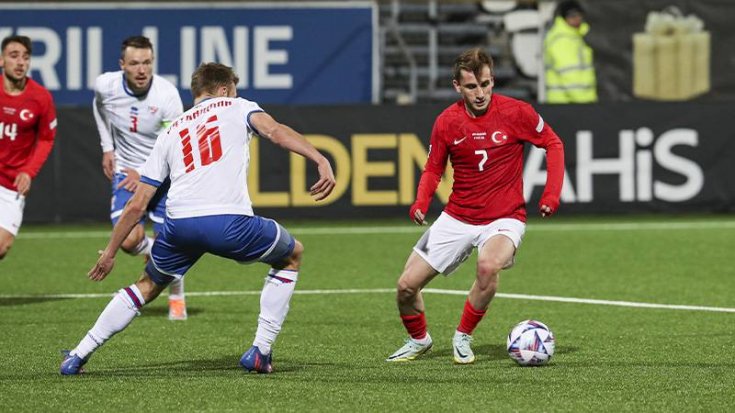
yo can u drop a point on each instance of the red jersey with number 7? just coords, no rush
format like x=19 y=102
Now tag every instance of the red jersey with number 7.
x=27 y=131
x=486 y=153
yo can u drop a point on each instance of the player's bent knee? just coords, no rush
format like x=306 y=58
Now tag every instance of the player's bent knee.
x=5 y=248
x=130 y=244
x=487 y=267
x=132 y=241
x=150 y=288
x=291 y=261
x=294 y=260
x=298 y=250
x=406 y=290
x=156 y=276
x=127 y=248
x=488 y=282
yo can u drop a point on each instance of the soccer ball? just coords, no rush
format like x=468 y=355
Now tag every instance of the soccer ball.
x=531 y=343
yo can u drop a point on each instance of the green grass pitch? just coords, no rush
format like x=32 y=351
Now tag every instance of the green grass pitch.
x=343 y=323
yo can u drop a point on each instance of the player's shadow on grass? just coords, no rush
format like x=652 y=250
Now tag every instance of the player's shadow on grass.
x=565 y=349
x=491 y=351
x=225 y=366
x=13 y=301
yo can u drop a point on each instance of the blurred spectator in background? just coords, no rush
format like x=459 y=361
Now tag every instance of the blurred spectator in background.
x=570 y=73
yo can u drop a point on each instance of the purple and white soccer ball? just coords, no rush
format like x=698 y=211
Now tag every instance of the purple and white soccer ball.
x=531 y=343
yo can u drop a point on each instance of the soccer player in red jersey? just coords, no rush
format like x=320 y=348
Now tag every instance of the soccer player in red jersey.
x=483 y=134
x=27 y=130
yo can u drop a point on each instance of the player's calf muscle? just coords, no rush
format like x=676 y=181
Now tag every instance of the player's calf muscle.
x=293 y=261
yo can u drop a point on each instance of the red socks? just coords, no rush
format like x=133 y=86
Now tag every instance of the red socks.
x=470 y=318
x=415 y=325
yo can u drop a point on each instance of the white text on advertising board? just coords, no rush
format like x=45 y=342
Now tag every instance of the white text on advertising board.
x=639 y=151
x=249 y=52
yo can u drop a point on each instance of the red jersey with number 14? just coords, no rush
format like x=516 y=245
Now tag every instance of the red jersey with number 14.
x=486 y=153
x=27 y=130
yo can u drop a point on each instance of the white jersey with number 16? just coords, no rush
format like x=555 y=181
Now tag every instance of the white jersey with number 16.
x=206 y=153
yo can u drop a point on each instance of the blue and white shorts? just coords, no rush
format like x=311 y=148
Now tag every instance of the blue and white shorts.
x=242 y=238
x=156 y=207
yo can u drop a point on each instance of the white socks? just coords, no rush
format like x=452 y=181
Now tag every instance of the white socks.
x=144 y=247
x=176 y=289
x=424 y=341
x=277 y=292
x=118 y=314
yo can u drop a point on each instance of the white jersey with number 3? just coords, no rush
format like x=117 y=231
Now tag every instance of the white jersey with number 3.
x=129 y=124
x=206 y=153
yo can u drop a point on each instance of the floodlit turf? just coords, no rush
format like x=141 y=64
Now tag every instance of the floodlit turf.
x=330 y=354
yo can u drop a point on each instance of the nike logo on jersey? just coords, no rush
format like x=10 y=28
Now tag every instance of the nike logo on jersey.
x=458 y=141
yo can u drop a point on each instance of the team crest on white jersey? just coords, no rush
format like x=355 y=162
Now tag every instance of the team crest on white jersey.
x=129 y=125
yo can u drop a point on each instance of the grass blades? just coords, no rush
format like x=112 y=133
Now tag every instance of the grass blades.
x=330 y=354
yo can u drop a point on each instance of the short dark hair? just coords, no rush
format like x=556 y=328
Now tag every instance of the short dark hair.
x=137 y=42
x=472 y=60
x=24 y=40
x=209 y=76
x=568 y=7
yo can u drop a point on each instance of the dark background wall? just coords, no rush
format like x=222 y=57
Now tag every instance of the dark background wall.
x=614 y=22
x=657 y=151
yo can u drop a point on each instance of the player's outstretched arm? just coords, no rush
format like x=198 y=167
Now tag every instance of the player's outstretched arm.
x=324 y=186
x=293 y=141
x=134 y=210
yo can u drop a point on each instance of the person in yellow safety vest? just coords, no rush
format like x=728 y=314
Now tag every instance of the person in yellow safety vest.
x=570 y=74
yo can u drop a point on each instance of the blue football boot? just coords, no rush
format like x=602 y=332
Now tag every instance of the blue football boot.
x=71 y=365
x=255 y=361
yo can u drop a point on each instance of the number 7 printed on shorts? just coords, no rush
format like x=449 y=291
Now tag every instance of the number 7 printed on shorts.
x=208 y=140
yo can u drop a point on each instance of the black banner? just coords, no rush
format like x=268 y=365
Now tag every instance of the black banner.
x=613 y=24
x=620 y=158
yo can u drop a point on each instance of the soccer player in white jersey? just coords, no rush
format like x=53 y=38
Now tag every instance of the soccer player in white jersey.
x=131 y=107
x=205 y=153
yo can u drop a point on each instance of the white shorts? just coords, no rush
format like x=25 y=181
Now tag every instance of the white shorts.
x=449 y=242
x=11 y=210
